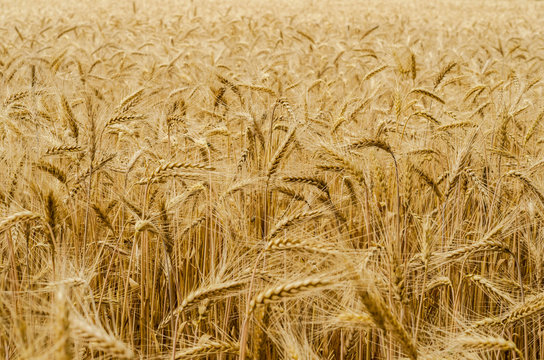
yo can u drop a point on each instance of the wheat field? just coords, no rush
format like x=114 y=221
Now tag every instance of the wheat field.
x=332 y=179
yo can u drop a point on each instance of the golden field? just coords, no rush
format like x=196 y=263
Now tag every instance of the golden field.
x=272 y=180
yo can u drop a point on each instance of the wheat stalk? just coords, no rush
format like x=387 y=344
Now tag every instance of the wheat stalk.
x=97 y=338
x=428 y=94
x=200 y=294
x=14 y=219
x=487 y=343
x=289 y=290
x=209 y=347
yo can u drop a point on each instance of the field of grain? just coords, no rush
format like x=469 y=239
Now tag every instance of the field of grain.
x=272 y=180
